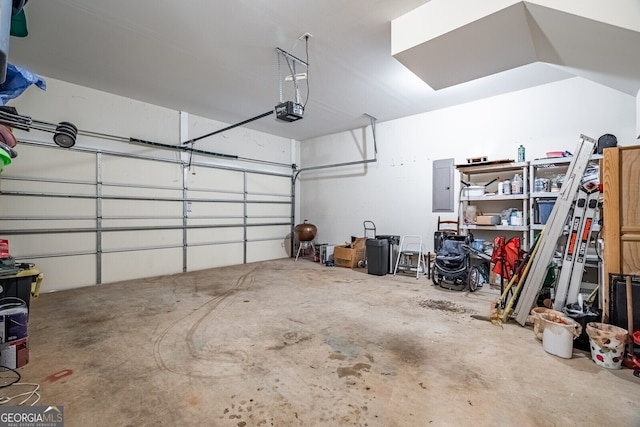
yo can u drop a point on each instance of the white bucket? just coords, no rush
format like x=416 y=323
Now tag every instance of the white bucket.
x=558 y=335
x=13 y=319
x=538 y=322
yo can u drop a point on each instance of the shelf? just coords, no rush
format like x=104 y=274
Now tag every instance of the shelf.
x=495 y=197
x=493 y=168
x=592 y=259
x=493 y=202
x=495 y=227
x=551 y=162
x=545 y=194
x=557 y=161
x=595 y=227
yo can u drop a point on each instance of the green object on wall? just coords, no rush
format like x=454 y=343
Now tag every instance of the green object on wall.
x=19 y=24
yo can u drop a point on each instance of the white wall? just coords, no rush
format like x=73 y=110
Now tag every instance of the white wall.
x=395 y=192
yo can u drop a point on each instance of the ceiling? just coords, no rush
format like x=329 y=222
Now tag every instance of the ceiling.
x=217 y=59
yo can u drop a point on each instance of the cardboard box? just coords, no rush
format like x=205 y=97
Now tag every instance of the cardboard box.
x=488 y=220
x=349 y=255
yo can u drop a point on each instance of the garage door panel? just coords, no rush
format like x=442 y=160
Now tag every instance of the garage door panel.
x=148 y=208
x=215 y=209
x=268 y=198
x=238 y=221
x=214 y=235
x=53 y=164
x=268 y=209
x=52 y=244
x=212 y=256
x=140 y=173
x=136 y=239
x=58 y=207
x=215 y=195
x=136 y=265
x=270 y=184
x=142 y=222
x=67 y=273
x=266 y=250
x=47 y=224
x=43 y=187
x=268 y=232
x=211 y=179
x=142 y=193
x=268 y=220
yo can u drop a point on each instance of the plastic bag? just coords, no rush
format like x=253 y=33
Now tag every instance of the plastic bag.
x=18 y=80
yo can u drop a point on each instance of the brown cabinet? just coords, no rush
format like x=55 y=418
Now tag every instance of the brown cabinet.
x=621 y=234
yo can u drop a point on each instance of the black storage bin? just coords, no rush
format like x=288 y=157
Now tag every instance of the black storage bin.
x=377 y=256
x=16 y=287
x=394 y=242
x=618 y=300
x=391 y=238
x=592 y=315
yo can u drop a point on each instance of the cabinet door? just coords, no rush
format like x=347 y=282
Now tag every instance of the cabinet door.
x=630 y=210
x=621 y=179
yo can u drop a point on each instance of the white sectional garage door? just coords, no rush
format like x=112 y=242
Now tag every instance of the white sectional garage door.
x=86 y=217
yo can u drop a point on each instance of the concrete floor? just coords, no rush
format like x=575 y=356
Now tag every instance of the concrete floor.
x=296 y=343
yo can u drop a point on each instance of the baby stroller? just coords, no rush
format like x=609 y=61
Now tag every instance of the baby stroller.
x=452 y=263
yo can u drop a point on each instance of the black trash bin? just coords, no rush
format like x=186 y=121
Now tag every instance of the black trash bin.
x=377 y=256
x=394 y=241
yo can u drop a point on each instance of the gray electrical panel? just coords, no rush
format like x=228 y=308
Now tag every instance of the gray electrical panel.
x=443 y=185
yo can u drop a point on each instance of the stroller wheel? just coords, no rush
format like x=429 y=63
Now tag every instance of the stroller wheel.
x=474 y=278
x=434 y=276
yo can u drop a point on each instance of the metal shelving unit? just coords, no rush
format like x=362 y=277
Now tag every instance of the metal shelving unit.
x=494 y=203
x=547 y=168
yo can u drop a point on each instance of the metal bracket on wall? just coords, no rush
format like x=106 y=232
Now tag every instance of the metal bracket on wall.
x=357 y=162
